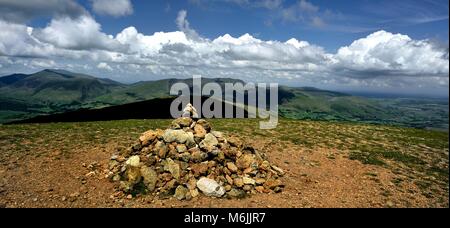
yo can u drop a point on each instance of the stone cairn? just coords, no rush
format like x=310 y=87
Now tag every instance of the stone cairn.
x=190 y=158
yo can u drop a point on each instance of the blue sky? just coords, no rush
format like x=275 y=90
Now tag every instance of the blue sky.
x=344 y=20
x=366 y=45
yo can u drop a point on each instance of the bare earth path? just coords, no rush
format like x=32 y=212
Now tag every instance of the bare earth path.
x=62 y=165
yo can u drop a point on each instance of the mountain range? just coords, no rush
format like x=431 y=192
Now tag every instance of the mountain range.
x=50 y=92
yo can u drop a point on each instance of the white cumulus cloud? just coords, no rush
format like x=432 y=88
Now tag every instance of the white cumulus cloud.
x=381 y=59
x=22 y=11
x=116 y=8
x=386 y=54
x=82 y=33
x=16 y=40
x=183 y=25
x=104 y=66
x=149 y=44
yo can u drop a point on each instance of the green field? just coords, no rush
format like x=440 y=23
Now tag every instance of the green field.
x=316 y=104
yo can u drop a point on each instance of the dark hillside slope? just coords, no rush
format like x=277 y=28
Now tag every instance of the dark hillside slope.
x=158 y=108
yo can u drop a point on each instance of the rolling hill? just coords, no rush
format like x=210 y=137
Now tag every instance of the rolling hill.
x=147 y=90
x=55 y=86
x=49 y=91
x=46 y=92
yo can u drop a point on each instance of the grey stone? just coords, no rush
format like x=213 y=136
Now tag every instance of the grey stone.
x=161 y=149
x=190 y=142
x=150 y=177
x=248 y=180
x=180 y=192
x=236 y=193
x=217 y=134
x=209 y=142
x=178 y=136
x=182 y=121
x=181 y=148
x=204 y=124
x=210 y=187
x=133 y=161
x=186 y=156
x=173 y=168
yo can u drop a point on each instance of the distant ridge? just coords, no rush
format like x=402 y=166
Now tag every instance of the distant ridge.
x=158 y=108
x=56 y=91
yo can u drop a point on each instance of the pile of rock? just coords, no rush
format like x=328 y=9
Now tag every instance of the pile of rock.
x=188 y=157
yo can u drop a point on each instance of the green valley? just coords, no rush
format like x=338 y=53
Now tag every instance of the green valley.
x=57 y=91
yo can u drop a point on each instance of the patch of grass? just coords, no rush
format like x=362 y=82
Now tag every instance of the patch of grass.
x=442 y=174
x=371 y=174
x=423 y=185
x=366 y=158
x=397 y=180
x=377 y=157
x=440 y=171
x=400 y=157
